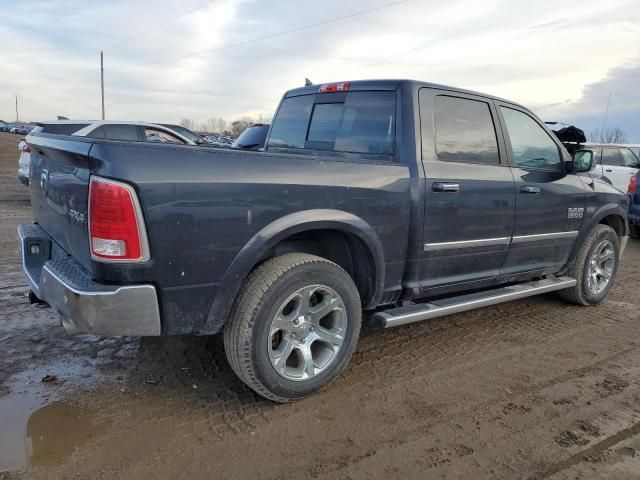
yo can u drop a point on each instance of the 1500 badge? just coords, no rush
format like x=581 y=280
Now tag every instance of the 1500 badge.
x=575 y=212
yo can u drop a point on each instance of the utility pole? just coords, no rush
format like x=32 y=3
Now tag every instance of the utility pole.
x=17 y=116
x=102 y=80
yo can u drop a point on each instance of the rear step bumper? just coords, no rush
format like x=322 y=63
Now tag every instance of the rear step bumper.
x=448 y=306
x=84 y=305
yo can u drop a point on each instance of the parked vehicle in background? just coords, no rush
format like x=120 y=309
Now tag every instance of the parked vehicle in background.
x=60 y=127
x=24 y=152
x=4 y=127
x=134 y=132
x=615 y=163
x=407 y=199
x=196 y=138
x=634 y=206
x=219 y=140
x=252 y=138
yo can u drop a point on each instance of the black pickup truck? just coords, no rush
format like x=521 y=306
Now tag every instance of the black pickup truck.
x=405 y=199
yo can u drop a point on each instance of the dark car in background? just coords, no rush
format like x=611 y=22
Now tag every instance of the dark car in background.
x=252 y=138
x=634 y=206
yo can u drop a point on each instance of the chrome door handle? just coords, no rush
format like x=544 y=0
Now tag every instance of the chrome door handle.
x=529 y=189
x=445 y=187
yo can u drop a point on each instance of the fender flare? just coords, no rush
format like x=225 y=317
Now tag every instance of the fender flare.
x=278 y=230
x=604 y=211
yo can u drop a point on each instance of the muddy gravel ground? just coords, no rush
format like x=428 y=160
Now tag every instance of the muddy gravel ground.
x=532 y=389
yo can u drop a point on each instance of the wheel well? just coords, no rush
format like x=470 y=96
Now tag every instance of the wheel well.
x=616 y=222
x=343 y=248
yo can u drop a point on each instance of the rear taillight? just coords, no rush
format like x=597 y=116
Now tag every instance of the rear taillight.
x=26 y=148
x=633 y=185
x=334 y=87
x=116 y=226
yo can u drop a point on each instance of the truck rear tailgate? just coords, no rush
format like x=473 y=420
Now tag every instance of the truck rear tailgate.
x=59 y=180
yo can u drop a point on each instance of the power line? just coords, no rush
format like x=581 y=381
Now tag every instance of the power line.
x=277 y=34
x=167 y=22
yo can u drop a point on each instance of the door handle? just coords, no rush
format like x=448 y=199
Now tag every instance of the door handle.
x=529 y=189
x=608 y=170
x=445 y=187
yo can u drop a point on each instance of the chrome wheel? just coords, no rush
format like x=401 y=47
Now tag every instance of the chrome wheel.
x=307 y=332
x=601 y=265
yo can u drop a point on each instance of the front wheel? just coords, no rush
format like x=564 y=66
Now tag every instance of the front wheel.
x=293 y=326
x=594 y=267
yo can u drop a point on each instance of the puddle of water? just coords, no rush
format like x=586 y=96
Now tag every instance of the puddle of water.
x=38 y=429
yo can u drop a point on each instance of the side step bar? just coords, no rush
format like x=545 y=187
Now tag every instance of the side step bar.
x=447 y=306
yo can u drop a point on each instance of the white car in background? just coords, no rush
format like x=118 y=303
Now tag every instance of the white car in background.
x=134 y=132
x=616 y=163
x=24 y=161
x=104 y=129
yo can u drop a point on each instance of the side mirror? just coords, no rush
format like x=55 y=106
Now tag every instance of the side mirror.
x=583 y=161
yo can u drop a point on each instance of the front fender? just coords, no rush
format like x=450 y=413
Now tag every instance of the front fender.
x=275 y=232
x=601 y=213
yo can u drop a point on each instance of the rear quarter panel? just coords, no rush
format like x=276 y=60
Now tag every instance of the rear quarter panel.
x=201 y=206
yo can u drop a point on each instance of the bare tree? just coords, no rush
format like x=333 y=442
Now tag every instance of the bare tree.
x=608 y=135
x=188 y=123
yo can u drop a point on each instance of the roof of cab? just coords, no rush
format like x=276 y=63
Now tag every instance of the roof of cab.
x=389 y=84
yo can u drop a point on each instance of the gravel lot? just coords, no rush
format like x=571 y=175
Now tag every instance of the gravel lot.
x=532 y=389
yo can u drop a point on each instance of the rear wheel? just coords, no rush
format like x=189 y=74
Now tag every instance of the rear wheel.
x=594 y=267
x=293 y=326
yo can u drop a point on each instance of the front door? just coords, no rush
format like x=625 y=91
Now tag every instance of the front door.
x=469 y=192
x=549 y=202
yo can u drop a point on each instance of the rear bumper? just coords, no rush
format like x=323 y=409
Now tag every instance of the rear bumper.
x=84 y=305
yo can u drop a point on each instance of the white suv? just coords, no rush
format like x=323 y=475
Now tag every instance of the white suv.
x=616 y=163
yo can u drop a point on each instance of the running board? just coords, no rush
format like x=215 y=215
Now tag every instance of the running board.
x=447 y=306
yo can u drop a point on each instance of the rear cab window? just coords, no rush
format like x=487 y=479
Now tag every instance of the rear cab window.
x=358 y=122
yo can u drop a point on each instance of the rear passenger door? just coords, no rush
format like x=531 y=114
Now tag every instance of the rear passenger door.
x=549 y=202
x=469 y=192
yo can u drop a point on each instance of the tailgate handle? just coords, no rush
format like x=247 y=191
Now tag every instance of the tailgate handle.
x=445 y=187
x=529 y=189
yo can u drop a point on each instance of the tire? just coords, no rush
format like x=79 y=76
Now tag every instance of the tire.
x=278 y=358
x=583 y=292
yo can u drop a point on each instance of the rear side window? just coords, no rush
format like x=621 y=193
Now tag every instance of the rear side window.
x=121 y=132
x=531 y=145
x=610 y=156
x=464 y=131
x=363 y=123
x=153 y=135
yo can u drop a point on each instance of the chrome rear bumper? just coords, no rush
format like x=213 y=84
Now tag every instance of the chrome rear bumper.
x=84 y=305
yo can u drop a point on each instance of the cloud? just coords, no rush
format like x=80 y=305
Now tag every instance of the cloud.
x=538 y=56
x=587 y=111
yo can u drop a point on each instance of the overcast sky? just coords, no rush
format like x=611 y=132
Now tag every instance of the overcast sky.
x=562 y=59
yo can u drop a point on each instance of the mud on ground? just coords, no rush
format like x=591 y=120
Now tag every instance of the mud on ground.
x=531 y=389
